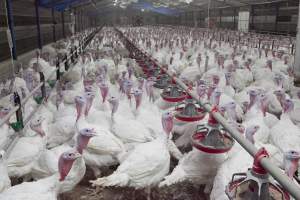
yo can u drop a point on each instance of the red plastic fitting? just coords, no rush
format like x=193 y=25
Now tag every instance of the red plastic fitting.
x=257 y=167
x=211 y=120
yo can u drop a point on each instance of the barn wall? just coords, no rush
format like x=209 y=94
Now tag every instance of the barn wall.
x=26 y=26
x=273 y=18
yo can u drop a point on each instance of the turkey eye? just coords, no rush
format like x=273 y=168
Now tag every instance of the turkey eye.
x=70 y=155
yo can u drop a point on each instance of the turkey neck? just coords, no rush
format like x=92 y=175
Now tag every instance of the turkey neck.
x=74 y=176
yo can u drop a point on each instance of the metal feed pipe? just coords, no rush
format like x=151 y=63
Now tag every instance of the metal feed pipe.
x=272 y=169
x=10 y=145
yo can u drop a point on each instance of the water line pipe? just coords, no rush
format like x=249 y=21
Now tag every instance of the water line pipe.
x=272 y=169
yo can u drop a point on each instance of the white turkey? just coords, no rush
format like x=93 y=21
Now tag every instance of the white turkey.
x=5 y=182
x=146 y=165
x=239 y=161
x=285 y=134
x=27 y=150
x=71 y=171
x=103 y=150
x=46 y=165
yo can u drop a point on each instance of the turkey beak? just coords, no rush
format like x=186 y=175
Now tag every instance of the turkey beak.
x=42 y=119
x=77 y=155
x=93 y=133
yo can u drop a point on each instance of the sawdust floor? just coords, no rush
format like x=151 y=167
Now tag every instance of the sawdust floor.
x=84 y=191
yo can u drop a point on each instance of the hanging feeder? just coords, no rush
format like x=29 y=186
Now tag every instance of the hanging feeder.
x=151 y=71
x=162 y=81
x=189 y=111
x=211 y=138
x=173 y=94
x=255 y=183
x=145 y=66
x=140 y=62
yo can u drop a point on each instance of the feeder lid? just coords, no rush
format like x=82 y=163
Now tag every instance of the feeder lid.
x=152 y=72
x=189 y=112
x=212 y=139
x=173 y=94
x=162 y=81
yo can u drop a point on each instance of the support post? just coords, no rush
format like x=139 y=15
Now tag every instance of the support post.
x=53 y=23
x=57 y=70
x=195 y=18
x=297 y=53
x=66 y=63
x=252 y=17
x=208 y=14
x=220 y=18
x=37 y=17
x=186 y=18
x=75 y=17
x=11 y=26
x=81 y=21
x=63 y=23
x=19 y=115
x=234 y=19
x=43 y=87
x=276 y=17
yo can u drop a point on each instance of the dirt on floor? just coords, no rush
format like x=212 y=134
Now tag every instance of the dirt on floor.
x=84 y=191
x=183 y=191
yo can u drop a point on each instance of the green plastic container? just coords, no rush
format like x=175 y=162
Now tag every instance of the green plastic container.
x=38 y=100
x=17 y=126
x=51 y=83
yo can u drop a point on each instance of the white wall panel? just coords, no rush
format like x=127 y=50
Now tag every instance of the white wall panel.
x=243 y=23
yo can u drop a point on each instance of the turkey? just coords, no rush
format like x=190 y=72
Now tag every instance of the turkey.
x=27 y=150
x=46 y=165
x=144 y=166
x=197 y=167
x=241 y=161
x=5 y=129
x=4 y=179
x=285 y=134
x=71 y=171
x=103 y=150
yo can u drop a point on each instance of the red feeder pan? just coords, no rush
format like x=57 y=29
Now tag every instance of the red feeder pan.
x=173 y=94
x=162 y=81
x=255 y=184
x=211 y=138
x=189 y=112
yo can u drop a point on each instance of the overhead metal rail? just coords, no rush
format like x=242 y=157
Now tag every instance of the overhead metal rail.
x=265 y=162
x=17 y=109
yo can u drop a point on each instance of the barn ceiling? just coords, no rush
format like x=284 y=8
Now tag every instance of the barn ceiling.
x=168 y=7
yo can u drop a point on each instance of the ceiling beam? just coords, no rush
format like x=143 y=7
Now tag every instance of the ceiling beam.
x=232 y=3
